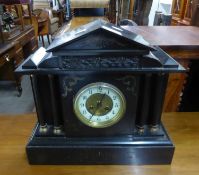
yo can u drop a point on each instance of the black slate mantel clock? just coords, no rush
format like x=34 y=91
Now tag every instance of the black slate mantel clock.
x=99 y=92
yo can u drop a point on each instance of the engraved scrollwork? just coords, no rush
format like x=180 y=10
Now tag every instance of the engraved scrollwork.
x=69 y=83
x=130 y=82
x=89 y=62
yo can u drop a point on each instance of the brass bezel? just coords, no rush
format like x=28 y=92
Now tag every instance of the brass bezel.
x=105 y=124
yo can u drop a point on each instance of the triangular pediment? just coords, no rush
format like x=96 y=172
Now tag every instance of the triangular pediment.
x=99 y=37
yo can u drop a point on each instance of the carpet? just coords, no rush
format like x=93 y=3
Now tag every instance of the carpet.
x=10 y=103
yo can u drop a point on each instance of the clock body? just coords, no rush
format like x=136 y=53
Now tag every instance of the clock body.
x=99 y=92
x=127 y=99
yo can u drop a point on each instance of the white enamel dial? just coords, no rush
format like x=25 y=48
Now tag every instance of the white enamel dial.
x=99 y=105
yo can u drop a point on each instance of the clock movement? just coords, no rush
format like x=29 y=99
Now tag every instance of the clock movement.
x=99 y=92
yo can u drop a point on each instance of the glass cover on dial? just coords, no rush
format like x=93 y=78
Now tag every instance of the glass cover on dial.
x=99 y=105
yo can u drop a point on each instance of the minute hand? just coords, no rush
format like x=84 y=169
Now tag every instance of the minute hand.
x=98 y=105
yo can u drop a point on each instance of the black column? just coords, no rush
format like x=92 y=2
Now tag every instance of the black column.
x=37 y=99
x=144 y=98
x=54 y=102
x=157 y=99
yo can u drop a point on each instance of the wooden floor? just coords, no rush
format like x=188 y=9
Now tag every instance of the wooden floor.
x=182 y=127
x=76 y=22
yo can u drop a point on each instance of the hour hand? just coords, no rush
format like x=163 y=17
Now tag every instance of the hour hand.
x=99 y=104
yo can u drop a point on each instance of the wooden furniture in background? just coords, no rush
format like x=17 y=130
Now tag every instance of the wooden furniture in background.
x=9 y=2
x=178 y=9
x=35 y=25
x=59 y=14
x=46 y=4
x=182 y=127
x=184 y=12
x=22 y=16
x=7 y=55
x=23 y=45
x=47 y=23
x=10 y=57
x=26 y=40
x=182 y=43
x=131 y=9
x=190 y=98
x=112 y=11
x=142 y=10
x=195 y=16
x=27 y=13
x=16 y=11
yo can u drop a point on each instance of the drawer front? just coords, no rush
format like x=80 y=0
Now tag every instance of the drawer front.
x=7 y=56
x=19 y=57
x=34 y=44
x=24 y=39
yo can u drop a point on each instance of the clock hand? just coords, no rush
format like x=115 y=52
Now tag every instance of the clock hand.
x=98 y=106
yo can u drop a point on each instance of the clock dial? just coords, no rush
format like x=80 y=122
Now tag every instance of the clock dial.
x=99 y=105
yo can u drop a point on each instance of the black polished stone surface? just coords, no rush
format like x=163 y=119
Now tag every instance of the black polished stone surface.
x=99 y=52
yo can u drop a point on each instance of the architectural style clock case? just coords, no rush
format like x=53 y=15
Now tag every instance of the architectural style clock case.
x=99 y=92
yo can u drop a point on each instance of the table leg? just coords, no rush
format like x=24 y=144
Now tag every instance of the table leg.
x=19 y=88
x=17 y=79
x=48 y=39
x=42 y=37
